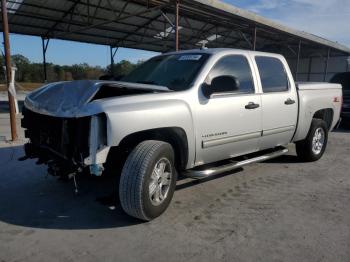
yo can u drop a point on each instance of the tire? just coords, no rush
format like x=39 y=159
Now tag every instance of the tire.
x=305 y=148
x=142 y=168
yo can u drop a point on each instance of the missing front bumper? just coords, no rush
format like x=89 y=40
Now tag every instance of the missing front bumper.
x=66 y=145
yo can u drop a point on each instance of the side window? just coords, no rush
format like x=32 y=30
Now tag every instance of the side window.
x=236 y=66
x=272 y=74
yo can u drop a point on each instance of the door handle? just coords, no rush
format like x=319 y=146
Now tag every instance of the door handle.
x=252 y=105
x=289 y=101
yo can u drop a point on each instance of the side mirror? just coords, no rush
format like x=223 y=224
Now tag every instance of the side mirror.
x=221 y=84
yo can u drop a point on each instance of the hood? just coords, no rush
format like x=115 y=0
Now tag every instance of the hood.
x=66 y=99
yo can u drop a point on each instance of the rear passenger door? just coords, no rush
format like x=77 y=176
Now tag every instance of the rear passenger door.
x=279 y=102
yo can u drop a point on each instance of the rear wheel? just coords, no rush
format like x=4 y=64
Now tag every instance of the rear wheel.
x=313 y=146
x=148 y=180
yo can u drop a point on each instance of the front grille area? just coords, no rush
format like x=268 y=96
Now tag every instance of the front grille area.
x=67 y=138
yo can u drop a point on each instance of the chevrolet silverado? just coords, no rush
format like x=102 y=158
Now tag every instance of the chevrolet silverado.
x=194 y=112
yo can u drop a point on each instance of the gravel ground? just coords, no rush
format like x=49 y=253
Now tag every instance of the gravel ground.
x=280 y=210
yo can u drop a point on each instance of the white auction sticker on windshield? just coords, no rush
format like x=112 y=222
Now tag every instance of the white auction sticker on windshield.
x=190 y=57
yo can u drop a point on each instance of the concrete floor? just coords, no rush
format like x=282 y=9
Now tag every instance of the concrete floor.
x=280 y=210
x=5 y=133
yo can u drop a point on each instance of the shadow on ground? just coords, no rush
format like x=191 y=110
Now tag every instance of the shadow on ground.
x=344 y=127
x=285 y=159
x=29 y=198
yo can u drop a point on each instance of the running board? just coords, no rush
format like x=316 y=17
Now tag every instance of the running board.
x=197 y=173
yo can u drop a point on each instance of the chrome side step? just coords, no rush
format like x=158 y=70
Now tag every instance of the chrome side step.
x=197 y=173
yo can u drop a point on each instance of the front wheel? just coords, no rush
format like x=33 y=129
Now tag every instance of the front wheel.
x=148 y=180
x=313 y=146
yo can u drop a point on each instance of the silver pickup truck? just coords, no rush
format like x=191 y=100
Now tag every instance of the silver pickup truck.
x=193 y=112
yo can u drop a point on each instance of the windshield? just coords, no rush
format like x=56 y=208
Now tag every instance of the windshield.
x=176 y=72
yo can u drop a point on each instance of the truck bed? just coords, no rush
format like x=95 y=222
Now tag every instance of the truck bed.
x=316 y=86
x=314 y=97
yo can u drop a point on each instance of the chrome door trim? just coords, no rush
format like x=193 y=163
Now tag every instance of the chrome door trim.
x=278 y=130
x=230 y=139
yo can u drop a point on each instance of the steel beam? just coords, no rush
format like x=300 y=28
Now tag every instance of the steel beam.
x=104 y=37
x=212 y=12
x=11 y=98
x=118 y=13
x=113 y=51
x=108 y=21
x=69 y=11
x=151 y=20
x=62 y=33
x=326 y=67
x=309 y=69
x=298 y=61
x=246 y=39
x=177 y=7
x=167 y=19
x=199 y=34
x=80 y=24
x=254 y=38
x=95 y=12
x=44 y=44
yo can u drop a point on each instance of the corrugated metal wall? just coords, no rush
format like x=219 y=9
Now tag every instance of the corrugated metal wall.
x=313 y=69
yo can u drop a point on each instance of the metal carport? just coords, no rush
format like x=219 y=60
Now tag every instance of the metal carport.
x=164 y=25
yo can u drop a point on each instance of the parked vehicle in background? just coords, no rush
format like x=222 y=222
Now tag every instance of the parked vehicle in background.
x=344 y=80
x=191 y=112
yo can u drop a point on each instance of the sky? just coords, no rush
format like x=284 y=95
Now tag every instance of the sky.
x=326 y=18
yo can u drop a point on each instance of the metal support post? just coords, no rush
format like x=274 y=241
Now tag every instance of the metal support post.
x=113 y=51
x=45 y=43
x=8 y=70
x=298 y=62
x=309 y=69
x=177 y=6
x=254 y=38
x=326 y=67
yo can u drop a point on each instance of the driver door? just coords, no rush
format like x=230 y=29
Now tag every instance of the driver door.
x=228 y=123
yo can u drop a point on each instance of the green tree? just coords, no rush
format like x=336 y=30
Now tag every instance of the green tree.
x=33 y=72
x=59 y=73
x=23 y=67
x=122 y=68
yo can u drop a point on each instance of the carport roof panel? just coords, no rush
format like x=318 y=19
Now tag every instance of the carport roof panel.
x=143 y=24
x=259 y=20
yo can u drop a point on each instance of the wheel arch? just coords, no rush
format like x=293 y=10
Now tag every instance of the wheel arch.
x=326 y=115
x=305 y=120
x=175 y=136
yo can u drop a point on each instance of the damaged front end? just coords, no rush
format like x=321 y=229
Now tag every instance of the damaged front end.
x=63 y=132
x=66 y=123
x=66 y=145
